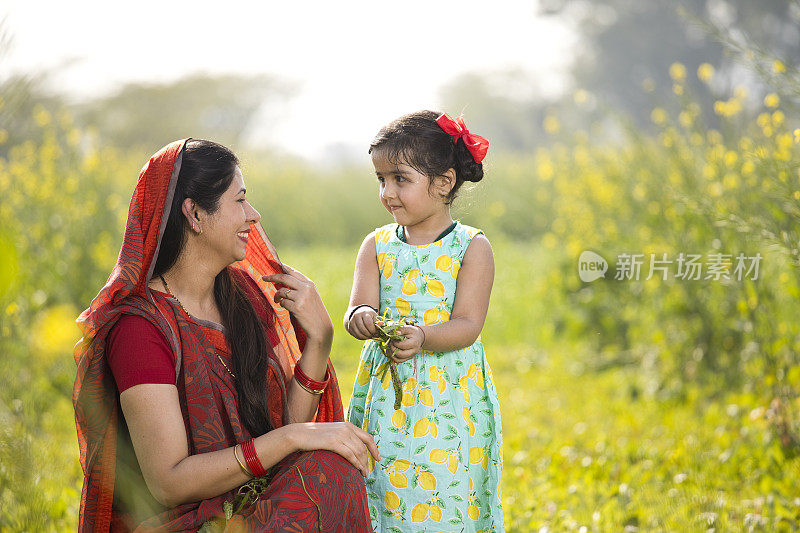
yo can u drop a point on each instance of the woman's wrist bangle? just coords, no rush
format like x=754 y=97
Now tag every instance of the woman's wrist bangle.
x=311 y=385
x=247 y=472
x=250 y=457
x=423 y=337
x=310 y=390
x=356 y=308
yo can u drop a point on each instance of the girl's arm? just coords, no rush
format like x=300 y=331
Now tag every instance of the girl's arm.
x=153 y=415
x=473 y=288
x=366 y=289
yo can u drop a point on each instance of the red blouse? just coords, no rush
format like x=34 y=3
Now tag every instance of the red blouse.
x=137 y=352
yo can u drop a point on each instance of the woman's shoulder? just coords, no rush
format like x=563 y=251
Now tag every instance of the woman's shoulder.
x=137 y=352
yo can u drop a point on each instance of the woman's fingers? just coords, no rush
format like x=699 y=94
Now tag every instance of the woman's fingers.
x=367 y=439
x=356 y=448
x=285 y=279
x=296 y=273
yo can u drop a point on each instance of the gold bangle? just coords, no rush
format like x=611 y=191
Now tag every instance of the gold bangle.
x=241 y=465
x=309 y=390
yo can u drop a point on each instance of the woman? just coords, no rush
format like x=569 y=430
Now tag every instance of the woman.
x=204 y=363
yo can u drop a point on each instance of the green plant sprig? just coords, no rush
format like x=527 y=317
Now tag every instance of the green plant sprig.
x=387 y=332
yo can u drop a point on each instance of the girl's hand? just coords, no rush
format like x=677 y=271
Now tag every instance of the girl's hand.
x=349 y=441
x=299 y=296
x=408 y=347
x=362 y=323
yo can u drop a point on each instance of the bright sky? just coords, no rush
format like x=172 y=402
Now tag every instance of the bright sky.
x=358 y=64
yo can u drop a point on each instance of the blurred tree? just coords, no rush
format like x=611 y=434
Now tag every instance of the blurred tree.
x=627 y=42
x=147 y=116
x=20 y=96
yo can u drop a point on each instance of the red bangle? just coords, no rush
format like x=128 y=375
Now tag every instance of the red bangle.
x=303 y=379
x=250 y=457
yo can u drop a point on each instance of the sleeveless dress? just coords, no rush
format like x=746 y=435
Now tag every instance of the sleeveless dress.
x=441 y=452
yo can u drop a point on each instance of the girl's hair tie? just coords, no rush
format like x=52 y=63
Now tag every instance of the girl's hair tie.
x=477 y=145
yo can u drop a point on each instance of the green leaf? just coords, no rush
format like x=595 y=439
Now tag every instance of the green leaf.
x=360 y=395
x=394 y=529
x=419 y=449
x=399 y=444
x=444 y=401
x=358 y=409
x=457 y=498
x=454 y=483
x=448 y=416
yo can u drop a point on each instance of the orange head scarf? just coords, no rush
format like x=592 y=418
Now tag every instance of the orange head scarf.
x=127 y=292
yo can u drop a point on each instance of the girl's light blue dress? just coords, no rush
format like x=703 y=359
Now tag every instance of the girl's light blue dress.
x=441 y=452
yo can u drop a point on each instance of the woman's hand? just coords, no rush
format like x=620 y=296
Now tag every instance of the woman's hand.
x=362 y=323
x=299 y=296
x=349 y=441
x=408 y=347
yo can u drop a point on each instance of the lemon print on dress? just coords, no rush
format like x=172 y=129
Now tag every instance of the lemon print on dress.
x=468 y=416
x=436 y=315
x=394 y=505
x=395 y=470
x=426 y=425
x=439 y=377
x=399 y=419
x=423 y=477
x=432 y=508
x=473 y=502
x=478 y=455
x=362 y=377
x=475 y=372
x=386 y=264
x=408 y=392
x=426 y=397
x=432 y=285
x=403 y=306
x=450 y=457
x=409 y=281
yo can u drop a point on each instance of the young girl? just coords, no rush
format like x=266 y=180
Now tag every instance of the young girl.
x=441 y=450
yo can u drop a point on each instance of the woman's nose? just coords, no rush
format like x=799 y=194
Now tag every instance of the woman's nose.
x=253 y=215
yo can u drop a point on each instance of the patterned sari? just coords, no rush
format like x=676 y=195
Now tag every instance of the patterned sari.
x=309 y=491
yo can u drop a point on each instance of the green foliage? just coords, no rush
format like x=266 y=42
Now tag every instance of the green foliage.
x=662 y=404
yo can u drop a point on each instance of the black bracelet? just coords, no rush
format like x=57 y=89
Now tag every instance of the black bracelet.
x=356 y=308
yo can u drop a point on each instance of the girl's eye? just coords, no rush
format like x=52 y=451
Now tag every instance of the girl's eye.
x=241 y=200
x=380 y=179
x=400 y=178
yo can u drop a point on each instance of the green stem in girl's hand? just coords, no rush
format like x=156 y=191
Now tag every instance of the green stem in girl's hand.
x=387 y=332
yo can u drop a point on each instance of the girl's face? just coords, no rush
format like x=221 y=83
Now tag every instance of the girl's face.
x=225 y=231
x=407 y=194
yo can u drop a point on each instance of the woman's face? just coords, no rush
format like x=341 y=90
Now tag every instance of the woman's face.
x=225 y=231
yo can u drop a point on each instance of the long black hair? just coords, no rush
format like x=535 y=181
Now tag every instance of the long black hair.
x=418 y=141
x=206 y=173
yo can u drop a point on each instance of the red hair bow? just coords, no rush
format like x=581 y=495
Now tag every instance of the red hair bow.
x=477 y=145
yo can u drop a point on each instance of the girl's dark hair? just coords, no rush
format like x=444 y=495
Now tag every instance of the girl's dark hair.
x=418 y=141
x=206 y=173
